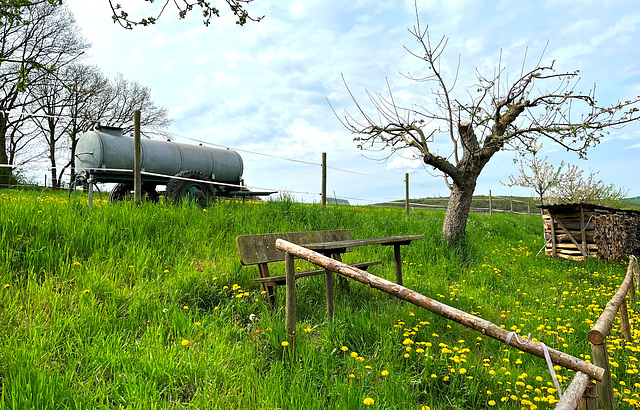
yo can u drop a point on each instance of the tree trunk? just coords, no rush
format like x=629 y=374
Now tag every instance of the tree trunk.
x=455 y=219
x=5 y=172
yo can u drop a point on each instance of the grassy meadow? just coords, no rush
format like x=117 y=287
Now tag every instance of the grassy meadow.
x=124 y=307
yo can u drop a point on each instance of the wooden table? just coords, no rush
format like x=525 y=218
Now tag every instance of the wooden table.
x=337 y=248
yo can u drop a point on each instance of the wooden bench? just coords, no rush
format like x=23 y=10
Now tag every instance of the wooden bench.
x=261 y=250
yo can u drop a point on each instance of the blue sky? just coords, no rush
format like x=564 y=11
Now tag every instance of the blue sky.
x=264 y=87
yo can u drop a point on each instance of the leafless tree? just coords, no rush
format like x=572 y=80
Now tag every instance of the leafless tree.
x=118 y=103
x=496 y=114
x=45 y=40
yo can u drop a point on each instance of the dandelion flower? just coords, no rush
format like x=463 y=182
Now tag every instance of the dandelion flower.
x=307 y=329
x=185 y=342
x=384 y=373
x=344 y=348
x=368 y=401
x=284 y=344
x=354 y=354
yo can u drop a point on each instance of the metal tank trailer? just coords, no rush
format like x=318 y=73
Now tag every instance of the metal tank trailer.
x=192 y=171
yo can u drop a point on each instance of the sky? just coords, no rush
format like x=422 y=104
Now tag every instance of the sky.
x=264 y=88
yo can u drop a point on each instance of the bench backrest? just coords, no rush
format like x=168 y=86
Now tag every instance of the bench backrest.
x=255 y=249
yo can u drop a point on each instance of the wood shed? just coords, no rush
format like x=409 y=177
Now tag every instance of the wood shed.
x=580 y=231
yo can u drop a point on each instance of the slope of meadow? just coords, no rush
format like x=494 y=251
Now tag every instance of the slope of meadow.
x=149 y=308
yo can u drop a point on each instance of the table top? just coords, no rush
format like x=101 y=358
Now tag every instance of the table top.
x=387 y=240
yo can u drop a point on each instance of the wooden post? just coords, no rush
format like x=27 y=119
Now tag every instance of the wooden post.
x=637 y=273
x=605 y=387
x=466 y=319
x=90 y=187
x=137 y=154
x=490 y=208
x=583 y=234
x=324 y=180
x=528 y=207
x=573 y=394
x=406 y=201
x=511 y=204
x=625 y=326
x=290 y=309
x=398 y=259
x=328 y=285
x=603 y=325
x=589 y=400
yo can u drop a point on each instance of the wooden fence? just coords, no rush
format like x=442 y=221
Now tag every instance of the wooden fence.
x=581 y=393
x=597 y=337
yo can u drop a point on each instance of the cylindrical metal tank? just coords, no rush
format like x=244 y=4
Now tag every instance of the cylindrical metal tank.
x=106 y=150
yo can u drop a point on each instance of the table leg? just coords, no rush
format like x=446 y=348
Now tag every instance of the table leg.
x=328 y=284
x=290 y=308
x=344 y=282
x=396 y=254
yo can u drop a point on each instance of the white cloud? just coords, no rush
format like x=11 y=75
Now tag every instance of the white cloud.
x=264 y=86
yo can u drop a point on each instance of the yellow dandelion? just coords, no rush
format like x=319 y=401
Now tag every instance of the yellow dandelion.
x=284 y=344
x=368 y=401
x=384 y=373
x=185 y=342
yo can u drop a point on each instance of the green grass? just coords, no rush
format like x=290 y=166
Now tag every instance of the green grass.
x=148 y=307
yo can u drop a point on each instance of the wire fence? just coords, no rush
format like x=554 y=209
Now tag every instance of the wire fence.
x=40 y=175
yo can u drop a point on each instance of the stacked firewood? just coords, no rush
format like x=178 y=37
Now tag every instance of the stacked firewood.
x=631 y=226
x=564 y=246
x=608 y=233
x=610 y=236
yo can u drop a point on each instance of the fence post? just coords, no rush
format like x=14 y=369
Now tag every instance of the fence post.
x=490 y=210
x=605 y=387
x=528 y=207
x=324 y=180
x=589 y=400
x=406 y=201
x=137 y=182
x=290 y=308
x=625 y=326
x=511 y=204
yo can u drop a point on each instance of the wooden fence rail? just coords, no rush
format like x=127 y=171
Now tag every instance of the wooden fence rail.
x=602 y=327
x=474 y=322
x=581 y=393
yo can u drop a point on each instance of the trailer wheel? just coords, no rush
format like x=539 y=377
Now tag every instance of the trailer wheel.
x=193 y=191
x=124 y=192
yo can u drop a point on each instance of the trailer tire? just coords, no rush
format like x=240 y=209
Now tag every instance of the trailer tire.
x=194 y=192
x=124 y=192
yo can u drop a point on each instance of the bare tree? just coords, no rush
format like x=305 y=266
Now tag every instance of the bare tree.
x=497 y=114
x=118 y=103
x=45 y=40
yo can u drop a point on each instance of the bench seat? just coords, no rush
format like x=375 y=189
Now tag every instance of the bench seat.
x=281 y=279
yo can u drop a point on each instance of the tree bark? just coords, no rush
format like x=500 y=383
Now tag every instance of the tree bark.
x=455 y=219
x=5 y=172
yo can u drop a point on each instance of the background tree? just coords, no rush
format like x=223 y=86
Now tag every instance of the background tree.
x=543 y=177
x=116 y=105
x=587 y=189
x=45 y=39
x=494 y=114
x=75 y=100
